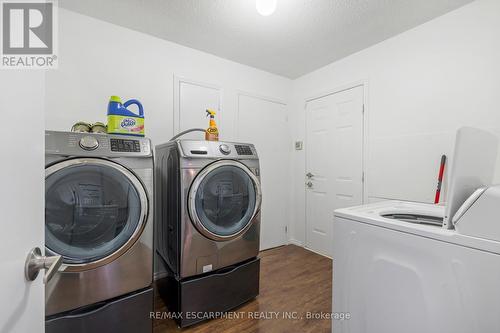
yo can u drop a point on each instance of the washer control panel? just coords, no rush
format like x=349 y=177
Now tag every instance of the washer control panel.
x=93 y=144
x=217 y=149
x=125 y=145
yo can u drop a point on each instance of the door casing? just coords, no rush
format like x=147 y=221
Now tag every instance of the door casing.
x=364 y=83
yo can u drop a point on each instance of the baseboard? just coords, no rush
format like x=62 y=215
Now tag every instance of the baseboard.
x=321 y=254
x=295 y=242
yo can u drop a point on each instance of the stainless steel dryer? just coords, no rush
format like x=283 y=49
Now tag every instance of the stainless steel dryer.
x=208 y=224
x=99 y=218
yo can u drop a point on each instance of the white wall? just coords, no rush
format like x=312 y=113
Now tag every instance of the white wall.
x=98 y=59
x=420 y=87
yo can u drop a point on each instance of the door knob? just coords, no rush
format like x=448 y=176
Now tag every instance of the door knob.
x=309 y=175
x=309 y=184
x=35 y=262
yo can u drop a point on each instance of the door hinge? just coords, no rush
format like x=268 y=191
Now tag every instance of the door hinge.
x=286 y=229
x=363 y=110
x=363 y=177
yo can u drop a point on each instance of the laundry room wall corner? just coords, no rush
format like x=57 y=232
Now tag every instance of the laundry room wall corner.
x=424 y=84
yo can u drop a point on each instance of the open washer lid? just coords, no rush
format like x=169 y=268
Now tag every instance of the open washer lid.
x=473 y=166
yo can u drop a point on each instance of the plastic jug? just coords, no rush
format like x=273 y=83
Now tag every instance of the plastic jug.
x=123 y=121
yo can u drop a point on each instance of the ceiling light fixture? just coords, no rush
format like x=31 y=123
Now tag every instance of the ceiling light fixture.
x=266 y=7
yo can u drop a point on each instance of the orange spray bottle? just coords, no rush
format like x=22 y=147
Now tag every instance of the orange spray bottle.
x=212 y=133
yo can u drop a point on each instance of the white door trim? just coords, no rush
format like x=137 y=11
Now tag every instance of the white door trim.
x=178 y=80
x=337 y=89
x=259 y=96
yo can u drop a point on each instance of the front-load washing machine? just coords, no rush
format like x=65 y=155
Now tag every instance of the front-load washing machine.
x=99 y=218
x=208 y=225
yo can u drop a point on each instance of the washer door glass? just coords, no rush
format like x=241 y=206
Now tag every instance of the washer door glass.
x=91 y=210
x=225 y=200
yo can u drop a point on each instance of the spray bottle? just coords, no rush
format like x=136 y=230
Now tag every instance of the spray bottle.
x=212 y=133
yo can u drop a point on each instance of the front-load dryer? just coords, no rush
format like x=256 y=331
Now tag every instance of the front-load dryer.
x=208 y=224
x=99 y=218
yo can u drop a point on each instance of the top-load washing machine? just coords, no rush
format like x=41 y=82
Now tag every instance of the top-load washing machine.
x=99 y=218
x=403 y=266
x=208 y=224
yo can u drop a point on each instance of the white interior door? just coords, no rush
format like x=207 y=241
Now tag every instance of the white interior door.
x=334 y=162
x=192 y=99
x=22 y=199
x=264 y=123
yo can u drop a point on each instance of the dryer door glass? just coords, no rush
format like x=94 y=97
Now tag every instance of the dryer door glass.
x=91 y=209
x=225 y=201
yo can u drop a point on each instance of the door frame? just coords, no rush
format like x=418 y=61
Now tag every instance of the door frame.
x=364 y=160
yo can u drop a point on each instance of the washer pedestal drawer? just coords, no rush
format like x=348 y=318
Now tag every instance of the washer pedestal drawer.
x=196 y=299
x=127 y=314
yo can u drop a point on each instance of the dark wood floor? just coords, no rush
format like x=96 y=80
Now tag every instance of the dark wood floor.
x=292 y=280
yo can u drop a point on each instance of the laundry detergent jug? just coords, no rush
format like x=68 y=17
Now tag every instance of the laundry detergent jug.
x=123 y=121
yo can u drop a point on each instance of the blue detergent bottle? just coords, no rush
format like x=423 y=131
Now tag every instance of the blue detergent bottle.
x=123 y=121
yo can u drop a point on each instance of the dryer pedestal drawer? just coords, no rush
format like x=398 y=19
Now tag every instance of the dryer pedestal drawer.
x=129 y=314
x=195 y=299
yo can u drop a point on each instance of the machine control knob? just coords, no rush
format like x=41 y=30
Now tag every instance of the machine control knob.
x=225 y=149
x=89 y=143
